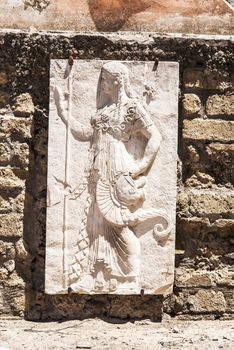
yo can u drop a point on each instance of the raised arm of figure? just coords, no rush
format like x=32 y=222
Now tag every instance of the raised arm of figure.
x=152 y=146
x=80 y=131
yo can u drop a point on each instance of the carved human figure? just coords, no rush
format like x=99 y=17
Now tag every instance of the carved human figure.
x=108 y=252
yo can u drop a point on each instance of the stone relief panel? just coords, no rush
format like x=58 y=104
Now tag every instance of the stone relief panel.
x=111 y=177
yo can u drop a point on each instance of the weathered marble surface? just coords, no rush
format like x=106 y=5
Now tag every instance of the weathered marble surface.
x=164 y=16
x=78 y=225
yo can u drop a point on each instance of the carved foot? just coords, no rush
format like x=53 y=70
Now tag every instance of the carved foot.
x=85 y=285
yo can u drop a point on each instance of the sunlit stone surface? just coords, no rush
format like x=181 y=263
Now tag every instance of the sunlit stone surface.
x=111 y=177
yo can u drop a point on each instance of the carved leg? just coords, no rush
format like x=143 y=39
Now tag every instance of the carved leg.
x=133 y=251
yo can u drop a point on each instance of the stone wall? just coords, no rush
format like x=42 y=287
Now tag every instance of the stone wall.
x=205 y=235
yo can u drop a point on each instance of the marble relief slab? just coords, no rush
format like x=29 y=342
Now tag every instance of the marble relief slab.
x=111 y=197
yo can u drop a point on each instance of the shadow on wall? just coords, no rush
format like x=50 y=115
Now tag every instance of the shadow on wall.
x=111 y=15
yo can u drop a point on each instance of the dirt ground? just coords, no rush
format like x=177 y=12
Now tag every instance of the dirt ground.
x=98 y=334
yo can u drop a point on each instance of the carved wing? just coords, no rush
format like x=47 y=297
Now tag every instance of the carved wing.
x=120 y=215
x=110 y=208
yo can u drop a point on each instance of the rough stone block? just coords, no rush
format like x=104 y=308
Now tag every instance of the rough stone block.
x=5 y=205
x=15 y=128
x=5 y=153
x=192 y=228
x=196 y=227
x=2 y=249
x=220 y=105
x=19 y=202
x=207 y=301
x=224 y=227
x=21 y=252
x=205 y=79
x=218 y=150
x=12 y=179
x=220 y=160
x=221 y=153
x=13 y=299
x=208 y=130
x=200 y=179
x=11 y=225
x=212 y=203
x=21 y=155
x=191 y=104
x=185 y=278
x=225 y=277
x=229 y=296
x=183 y=202
x=15 y=154
x=23 y=106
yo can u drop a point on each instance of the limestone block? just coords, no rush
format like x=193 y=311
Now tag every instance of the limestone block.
x=191 y=104
x=200 y=179
x=5 y=205
x=210 y=130
x=224 y=227
x=111 y=188
x=220 y=149
x=205 y=79
x=5 y=153
x=11 y=179
x=10 y=251
x=225 y=277
x=2 y=249
x=23 y=106
x=220 y=105
x=221 y=157
x=207 y=301
x=21 y=155
x=21 y=252
x=9 y=265
x=229 y=296
x=11 y=225
x=3 y=276
x=183 y=202
x=15 y=128
x=190 y=278
x=13 y=299
x=208 y=202
x=192 y=227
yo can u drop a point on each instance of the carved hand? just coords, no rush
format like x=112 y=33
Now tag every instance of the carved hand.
x=135 y=170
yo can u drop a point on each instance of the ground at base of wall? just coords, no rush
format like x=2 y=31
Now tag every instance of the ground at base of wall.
x=102 y=335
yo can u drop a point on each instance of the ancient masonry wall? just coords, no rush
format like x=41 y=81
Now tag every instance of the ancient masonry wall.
x=205 y=226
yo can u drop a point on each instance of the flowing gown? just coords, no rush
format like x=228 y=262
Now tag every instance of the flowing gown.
x=107 y=249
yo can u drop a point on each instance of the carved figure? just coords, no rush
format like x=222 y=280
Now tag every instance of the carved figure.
x=108 y=251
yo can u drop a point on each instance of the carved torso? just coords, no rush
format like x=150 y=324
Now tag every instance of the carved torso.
x=112 y=128
x=120 y=122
